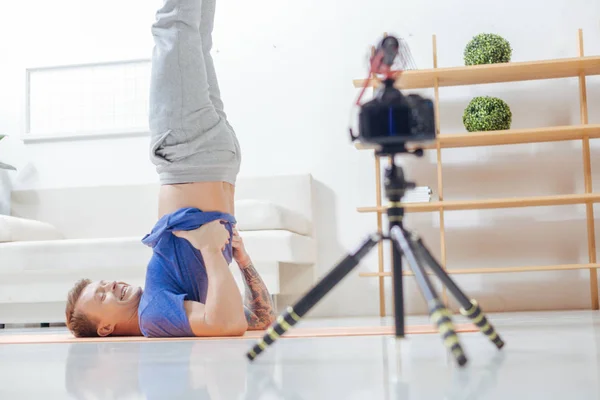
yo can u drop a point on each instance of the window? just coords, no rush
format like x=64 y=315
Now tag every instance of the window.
x=88 y=100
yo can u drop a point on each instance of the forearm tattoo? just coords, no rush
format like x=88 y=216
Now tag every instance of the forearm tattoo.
x=257 y=300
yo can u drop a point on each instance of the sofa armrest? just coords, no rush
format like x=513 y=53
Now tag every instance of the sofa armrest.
x=15 y=229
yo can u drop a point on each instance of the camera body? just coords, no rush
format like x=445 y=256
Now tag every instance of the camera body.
x=393 y=119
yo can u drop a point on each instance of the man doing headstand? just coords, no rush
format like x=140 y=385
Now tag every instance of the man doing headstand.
x=189 y=289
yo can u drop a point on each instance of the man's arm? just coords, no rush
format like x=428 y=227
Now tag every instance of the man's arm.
x=223 y=312
x=258 y=306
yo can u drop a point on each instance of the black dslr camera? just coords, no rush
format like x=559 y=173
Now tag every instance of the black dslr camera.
x=392 y=119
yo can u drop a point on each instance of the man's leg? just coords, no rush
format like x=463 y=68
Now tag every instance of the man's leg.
x=179 y=89
x=207 y=24
x=206 y=28
x=191 y=141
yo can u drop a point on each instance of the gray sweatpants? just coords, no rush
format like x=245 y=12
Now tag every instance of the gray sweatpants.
x=191 y=139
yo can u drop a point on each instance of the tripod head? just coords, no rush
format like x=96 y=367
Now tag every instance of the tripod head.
x=395 y=184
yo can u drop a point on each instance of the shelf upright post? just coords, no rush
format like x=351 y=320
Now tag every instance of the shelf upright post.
x=587 y=173
x=436 y=89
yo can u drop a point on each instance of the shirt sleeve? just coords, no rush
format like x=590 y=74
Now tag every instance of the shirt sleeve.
x=165 y=316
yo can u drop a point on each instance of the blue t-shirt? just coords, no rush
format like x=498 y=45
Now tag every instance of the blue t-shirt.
x=175 y=273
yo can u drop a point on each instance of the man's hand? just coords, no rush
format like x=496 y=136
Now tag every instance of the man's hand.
x=240 y=255
x=212 y=236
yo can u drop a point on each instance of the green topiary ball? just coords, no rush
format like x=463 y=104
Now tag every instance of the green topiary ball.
x=487 y=48
x=485 y=113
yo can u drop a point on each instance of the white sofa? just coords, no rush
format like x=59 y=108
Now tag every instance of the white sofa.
x=57 y=236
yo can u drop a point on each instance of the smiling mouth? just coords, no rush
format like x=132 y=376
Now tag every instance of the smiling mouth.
x=123 y=291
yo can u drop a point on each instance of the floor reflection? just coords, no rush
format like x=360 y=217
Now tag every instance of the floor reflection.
x=358 y=368
x=549 y=357
x=294 y=370
x=166 y=370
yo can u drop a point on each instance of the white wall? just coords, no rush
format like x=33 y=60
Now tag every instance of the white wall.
x=286 y=71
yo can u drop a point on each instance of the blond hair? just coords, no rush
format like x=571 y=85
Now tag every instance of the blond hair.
x=78 y=322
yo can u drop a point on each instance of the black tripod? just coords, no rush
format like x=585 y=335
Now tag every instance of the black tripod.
x=416 y=253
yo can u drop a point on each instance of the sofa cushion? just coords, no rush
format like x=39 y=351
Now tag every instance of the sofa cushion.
x=280 y=246
x=48 y=269
x=14 y=229
x=262 y=215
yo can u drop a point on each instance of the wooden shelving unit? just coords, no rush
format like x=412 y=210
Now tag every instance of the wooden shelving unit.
x=435 y=78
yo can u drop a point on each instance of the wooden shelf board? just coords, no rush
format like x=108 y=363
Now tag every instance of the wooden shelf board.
x=367 y=146
x=500 y=270
x=510 y=136
x=519 y=136
x=494 y=73
x=517 y=202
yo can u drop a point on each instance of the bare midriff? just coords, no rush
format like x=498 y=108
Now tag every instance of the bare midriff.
x=206 y=196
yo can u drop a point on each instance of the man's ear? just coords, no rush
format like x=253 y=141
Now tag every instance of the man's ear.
x=105 y=330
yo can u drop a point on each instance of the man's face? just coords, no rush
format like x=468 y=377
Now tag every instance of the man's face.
x=109 y=303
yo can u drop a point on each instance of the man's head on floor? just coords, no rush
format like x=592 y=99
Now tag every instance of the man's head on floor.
x=103 y=308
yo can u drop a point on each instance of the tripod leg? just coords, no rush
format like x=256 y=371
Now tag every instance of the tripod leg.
x=438 y=312
x=293 y=314
x=398 y=291
x=469 y=307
